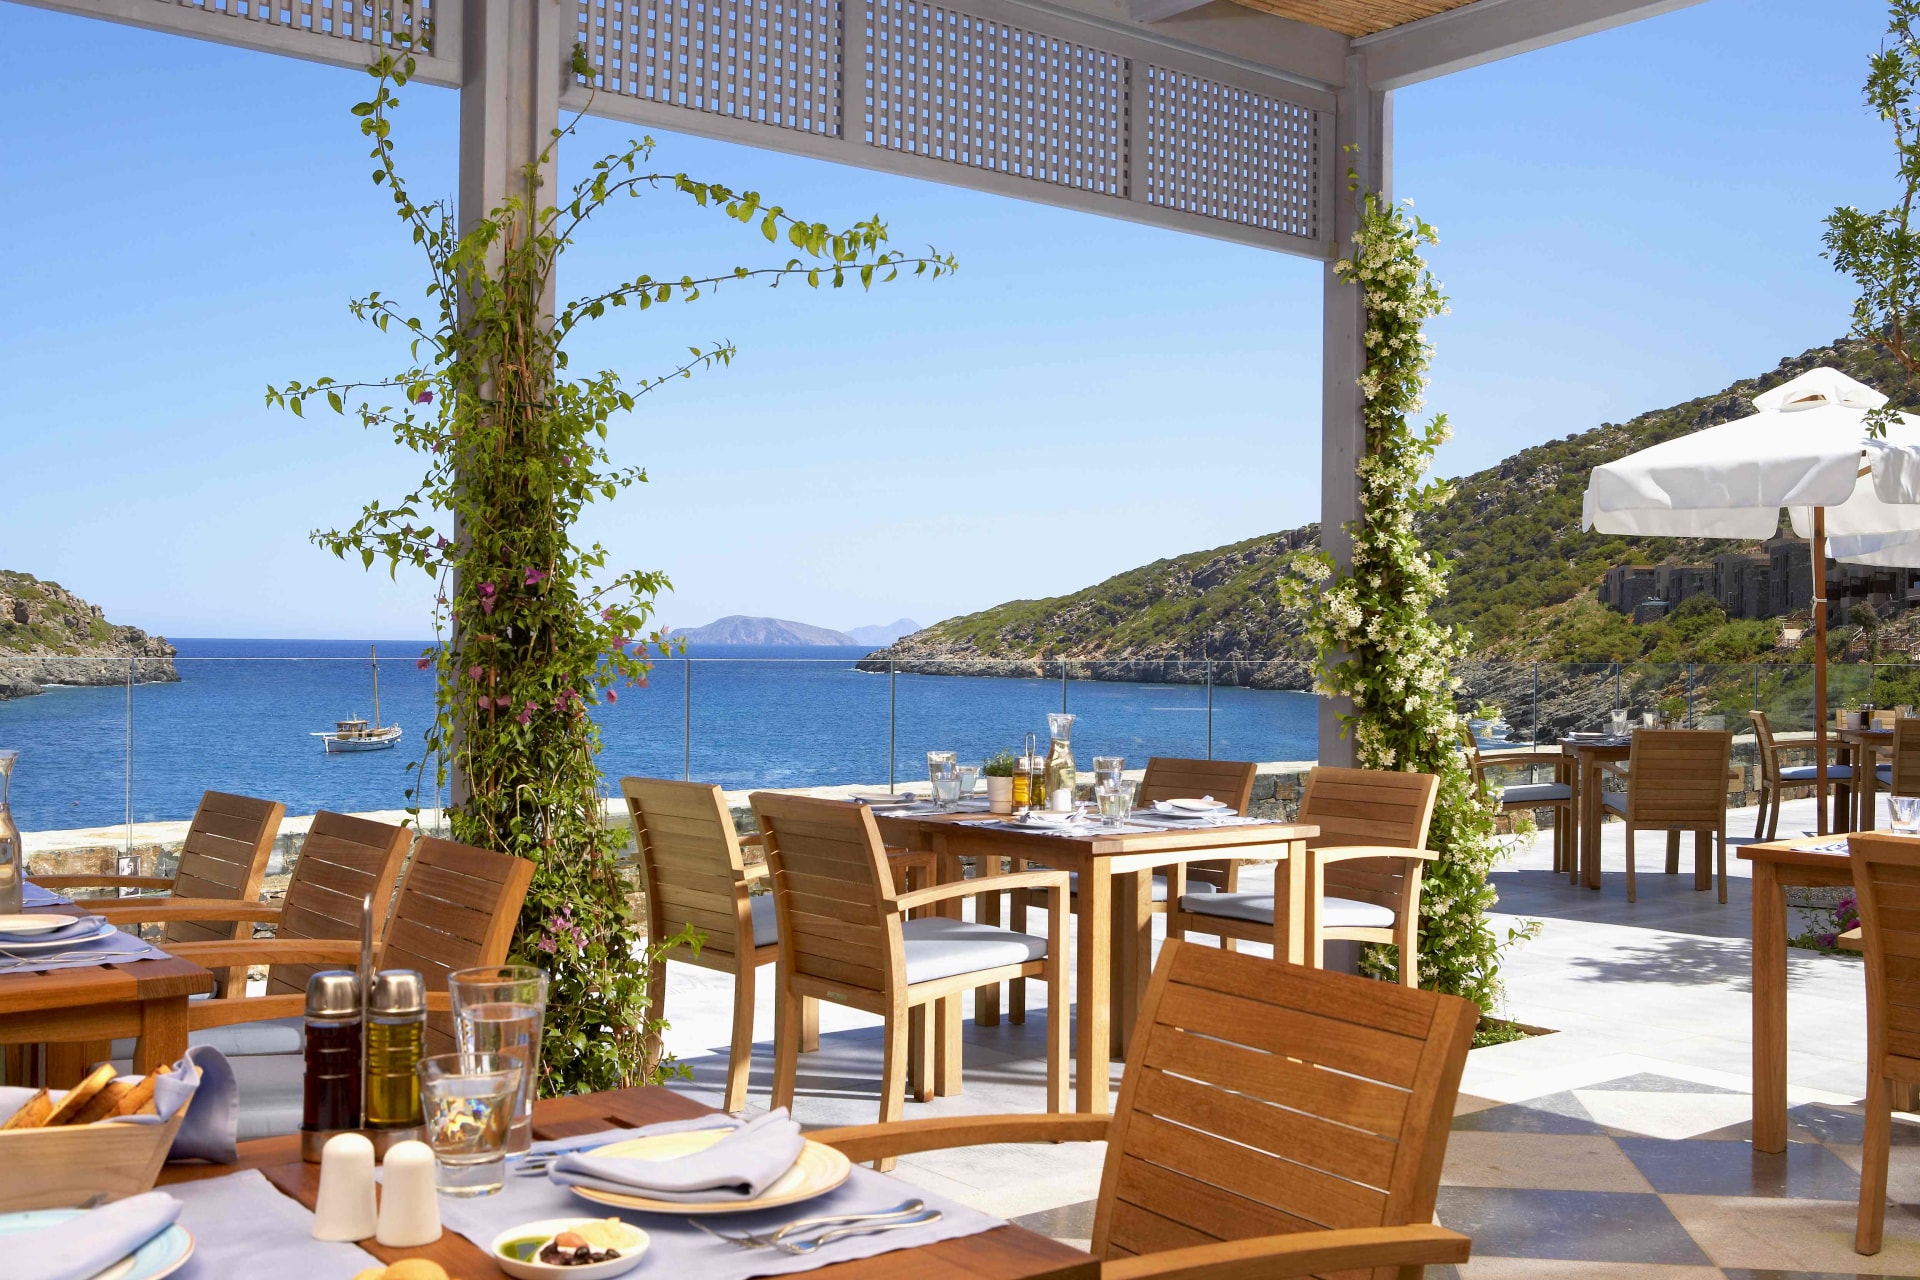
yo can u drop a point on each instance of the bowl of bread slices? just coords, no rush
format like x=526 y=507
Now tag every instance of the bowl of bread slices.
x=59 y=1147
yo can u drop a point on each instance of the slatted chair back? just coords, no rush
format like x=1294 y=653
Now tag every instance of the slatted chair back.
x=1228 y=781
x=1886 y=888
x=344 y=860
x=833 y=895
x=1369 y=807
x=224 y=856
x=457 y=909
x=1266 y=1099
x=1678 y=779
x=1764 y=746
x=1906 y=757
x=691 y=868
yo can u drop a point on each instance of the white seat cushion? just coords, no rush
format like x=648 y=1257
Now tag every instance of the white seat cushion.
x=1257 y=908
x=242 y=1039
x=939 y=948
x=1614 y=800
x=1536 y=793
x=1806 y=773
x=1159 y=886
x=766 y=928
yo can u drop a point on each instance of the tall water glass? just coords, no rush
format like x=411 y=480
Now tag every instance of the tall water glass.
x=1107 y=770
x=969 y=779
x=501 y=1009
x=1116 y=801
x=1619 y=722
x=1905 y=813
x=469 y=1102
x=943 y=774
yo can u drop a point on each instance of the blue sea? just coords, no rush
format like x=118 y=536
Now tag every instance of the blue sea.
x=242 y=717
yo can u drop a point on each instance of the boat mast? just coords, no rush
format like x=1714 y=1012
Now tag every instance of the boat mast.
x=374 y=655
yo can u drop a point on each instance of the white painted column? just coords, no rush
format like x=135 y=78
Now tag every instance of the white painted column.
x=1363 y=122
x=513 y=62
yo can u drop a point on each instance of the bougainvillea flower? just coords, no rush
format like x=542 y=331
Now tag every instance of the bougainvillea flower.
x=473 y=673
x=423 y=663
x=613 y=695
x=425 y=397
x=536 y=576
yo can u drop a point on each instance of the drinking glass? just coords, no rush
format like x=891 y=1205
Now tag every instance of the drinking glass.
x=1107 y=770
x=469 y=1101
x=1649 y=719
x=946 y=789
x=1619 y=722
x=939 y=763
x=1116 y=801
x=499 y=1009
x=1906 y=814
x=969 y=779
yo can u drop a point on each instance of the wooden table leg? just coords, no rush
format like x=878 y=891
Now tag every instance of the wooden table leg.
x=163 y=1034
x=1132 y=953
x=987 y=909
x=1702 y=859
x=1091 y=994
x=68 y=1061
x=1567 y=769
x=1769 y=1009
x=1869 y=775
x=1590 y=818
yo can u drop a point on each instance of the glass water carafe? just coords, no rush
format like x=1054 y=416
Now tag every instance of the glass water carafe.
x=1060 y=773
x=13 y=862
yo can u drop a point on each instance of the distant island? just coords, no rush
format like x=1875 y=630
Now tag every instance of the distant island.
x=48 y=635
x=737 y=628
x=886 y=633
x=1526 y=579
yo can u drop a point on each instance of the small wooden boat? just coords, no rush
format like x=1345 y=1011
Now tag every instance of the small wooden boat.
x=355 y=734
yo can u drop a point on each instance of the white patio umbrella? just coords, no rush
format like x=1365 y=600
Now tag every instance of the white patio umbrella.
x=1808 y=450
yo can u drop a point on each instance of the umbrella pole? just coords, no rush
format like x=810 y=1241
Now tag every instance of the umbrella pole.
x=1819 y=559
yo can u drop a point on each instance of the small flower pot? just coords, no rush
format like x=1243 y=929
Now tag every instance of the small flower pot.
x=1000 y=795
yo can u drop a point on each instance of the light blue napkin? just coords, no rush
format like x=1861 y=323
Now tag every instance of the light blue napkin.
x=739 y=1166
x=82 y=1248
x=202 y=1081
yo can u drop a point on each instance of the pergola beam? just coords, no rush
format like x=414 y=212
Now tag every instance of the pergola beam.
x=1489 y=31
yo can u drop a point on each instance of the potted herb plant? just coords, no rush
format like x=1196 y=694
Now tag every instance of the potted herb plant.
x=998 y=771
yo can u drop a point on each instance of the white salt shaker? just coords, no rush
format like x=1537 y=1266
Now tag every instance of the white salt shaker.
x=409 y=1206
x=344 y=1209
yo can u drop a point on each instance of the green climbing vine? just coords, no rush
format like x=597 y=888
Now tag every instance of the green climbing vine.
x=533 y=627
x=1372 y=625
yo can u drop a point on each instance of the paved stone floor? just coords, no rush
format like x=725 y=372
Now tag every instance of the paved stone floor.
x=1615 y=1146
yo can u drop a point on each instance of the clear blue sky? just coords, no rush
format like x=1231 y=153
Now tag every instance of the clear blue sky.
x=1627 y=220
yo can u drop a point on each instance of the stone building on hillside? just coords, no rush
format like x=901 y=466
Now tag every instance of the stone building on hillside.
x=1626 y=585
x=1679 y=583
x=1743 y=584
x=1773 y=582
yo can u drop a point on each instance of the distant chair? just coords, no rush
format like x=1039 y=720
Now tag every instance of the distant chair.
x=1886 y=887
x=1902 y=776
x=1367 y=859
x=1776 y=778
x=845 y=937
x=1676 y=781
x=224 y=858
x=1555 y=796
x=1274 y=1121
x=694 y=875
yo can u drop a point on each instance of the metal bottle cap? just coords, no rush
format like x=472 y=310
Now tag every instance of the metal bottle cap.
x=399 y=991
x=333 y=993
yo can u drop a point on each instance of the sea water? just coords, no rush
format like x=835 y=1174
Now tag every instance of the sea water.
x=243 y=715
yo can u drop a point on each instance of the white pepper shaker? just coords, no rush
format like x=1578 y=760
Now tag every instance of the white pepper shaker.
x=409 y=1204
x=344 y=1209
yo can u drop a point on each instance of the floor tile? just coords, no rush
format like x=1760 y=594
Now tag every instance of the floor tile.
x=1748 y=1273
x=1543 y=1161
x=1795 y=1235
x=1648 y=1082
x=1804 y=1170
x=1594 y=1226
x=1847 y=1125
x=1067 y=1222
x=1554 y=1113
x=1665 y=1115
x=1564 y=1269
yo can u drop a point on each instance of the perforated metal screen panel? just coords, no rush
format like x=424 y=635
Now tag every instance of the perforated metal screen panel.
x=345 y=20
x=1000 y=95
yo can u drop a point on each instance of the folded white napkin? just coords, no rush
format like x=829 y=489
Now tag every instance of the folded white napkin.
x=81 y=927
x=83 y=1247
x=1203 y=806
x=739 y=1166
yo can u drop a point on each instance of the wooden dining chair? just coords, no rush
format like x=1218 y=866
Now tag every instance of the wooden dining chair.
x=1361 y=879
x=1902 y=776
x=223 y=858
x=1886 y=889
x=699 y=886
x=344 y=861
x=845 y=937
x=1777 y=777
x=1274 y=1121
x=457 y=909
x=1555 y=797
x=1676 y=781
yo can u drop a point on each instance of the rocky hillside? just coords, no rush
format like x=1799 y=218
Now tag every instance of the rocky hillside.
x=1524 y=575
x=48 y=635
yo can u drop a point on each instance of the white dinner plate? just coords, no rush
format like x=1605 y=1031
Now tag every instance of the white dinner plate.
x=28 y=926
x=23 y=946
x=818 y=1170
x=510 y=1260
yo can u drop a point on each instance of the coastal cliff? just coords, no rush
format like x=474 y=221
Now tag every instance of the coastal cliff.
x=48 y=635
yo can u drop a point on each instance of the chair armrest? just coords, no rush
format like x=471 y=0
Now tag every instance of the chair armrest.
x=755 y=871
x=756 y=837
x=103 y=881
x=1617 y=768
x=1304 y=1253
x=1343 y=852
x=202 y=1014
x=863 y=1142
x=168 y=909
x=344 y=952
x=1852 y=940
x=984 y=884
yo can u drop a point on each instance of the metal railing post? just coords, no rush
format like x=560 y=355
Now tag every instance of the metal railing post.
x=686 y=733
x=129 y=866
x=1209 y=708
x=1689 y=695
x=1535 y=726
x=1063 y=686
x=893 y=719
x=1616 y=685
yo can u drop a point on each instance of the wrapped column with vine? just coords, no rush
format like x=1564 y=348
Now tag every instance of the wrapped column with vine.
x=1372 y=624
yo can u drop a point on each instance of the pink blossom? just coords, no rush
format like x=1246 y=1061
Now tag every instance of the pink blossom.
x=441 y=542
x=536 y=576
x=606 y=614
x=526 y=712
x=473 y=673
x=423 y=663
x=613 y=695
x=545 y=944
x=425 y=397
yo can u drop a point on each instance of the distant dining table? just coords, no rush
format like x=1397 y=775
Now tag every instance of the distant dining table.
x=1589 y=752
x=1112 y=903
x=1862 y=748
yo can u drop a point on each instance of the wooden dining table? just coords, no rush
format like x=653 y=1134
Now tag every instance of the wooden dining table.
x=1113 y=912
x=77 y=1014
x=1004 y=1253
x=1588 y=755
x=1863 y=749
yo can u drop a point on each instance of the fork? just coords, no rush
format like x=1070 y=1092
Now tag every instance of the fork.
x=773 y=1239
x=804 y=1247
